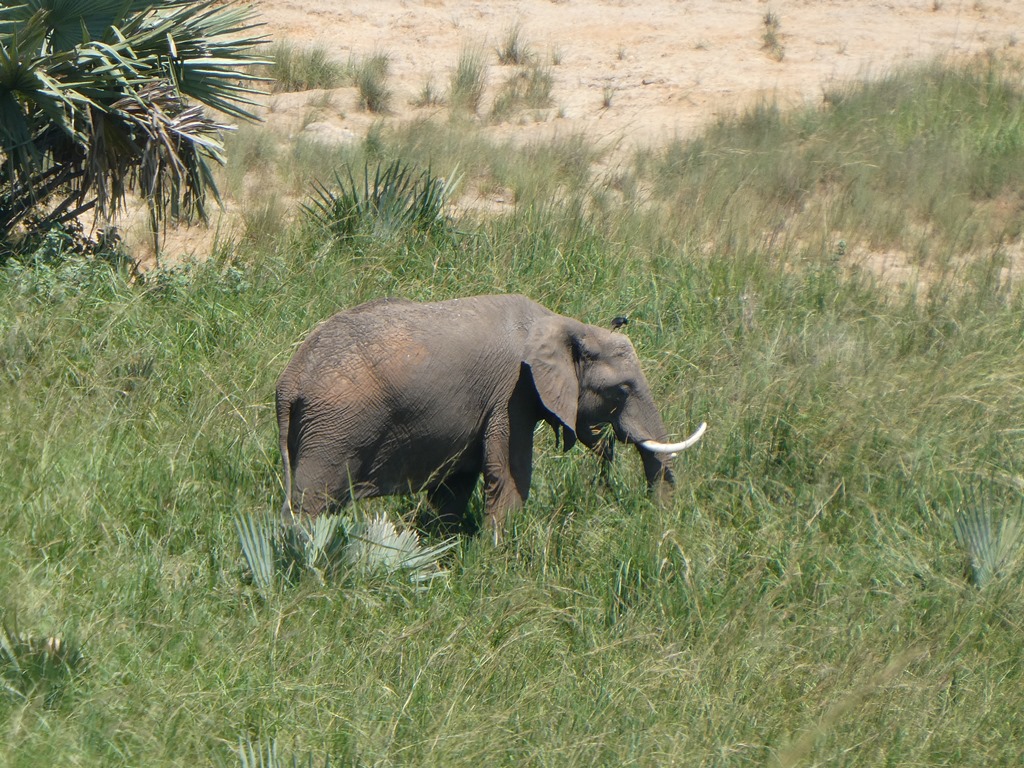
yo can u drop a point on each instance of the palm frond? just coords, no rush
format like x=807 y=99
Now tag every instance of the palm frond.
x=263 y=754
x=314 y=547
x=103 y=89
x=75 y=22
x=256 y=534
x=378 y=547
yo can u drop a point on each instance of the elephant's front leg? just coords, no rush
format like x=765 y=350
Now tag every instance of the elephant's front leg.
x=508 y=467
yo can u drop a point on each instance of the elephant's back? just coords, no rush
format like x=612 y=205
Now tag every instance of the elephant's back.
x=444 y=326
x=354 y=332
x=402 y=343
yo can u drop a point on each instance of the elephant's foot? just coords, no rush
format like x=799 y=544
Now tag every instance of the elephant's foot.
x=439 y=525
x=496 y=512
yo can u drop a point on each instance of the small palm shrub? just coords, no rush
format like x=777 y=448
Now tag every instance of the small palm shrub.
x=331 y=547
x=394 y=198
x=272 y=549
x=264 y=755
x=32 y=666
x=991 y=549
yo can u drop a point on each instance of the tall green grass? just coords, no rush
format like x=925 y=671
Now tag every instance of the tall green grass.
x=302 y=69
x=371 y=80
x=527 y=88
x=800 y=599
x=468 y=81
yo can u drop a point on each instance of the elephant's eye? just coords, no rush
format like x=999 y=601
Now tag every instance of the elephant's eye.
x=618 y=391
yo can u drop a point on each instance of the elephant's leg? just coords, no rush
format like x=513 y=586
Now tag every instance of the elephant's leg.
x=448 y=511
x=320 y=487
x=508 y=468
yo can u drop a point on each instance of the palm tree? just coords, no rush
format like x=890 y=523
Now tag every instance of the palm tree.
x=99 y=97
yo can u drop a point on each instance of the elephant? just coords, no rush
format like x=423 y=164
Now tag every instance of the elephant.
x=395 y=396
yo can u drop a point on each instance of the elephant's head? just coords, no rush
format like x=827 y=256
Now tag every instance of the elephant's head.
x=589 y=378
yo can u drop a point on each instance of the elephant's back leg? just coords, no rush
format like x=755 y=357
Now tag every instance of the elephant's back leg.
x=448 y=504
x=326 y=477
x=335 y=430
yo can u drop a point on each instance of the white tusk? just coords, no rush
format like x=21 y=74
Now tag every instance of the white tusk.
x=673 y=448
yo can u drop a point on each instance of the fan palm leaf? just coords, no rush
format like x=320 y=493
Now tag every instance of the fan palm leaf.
x=331 y=545
x=991 y=549
x=378 y=546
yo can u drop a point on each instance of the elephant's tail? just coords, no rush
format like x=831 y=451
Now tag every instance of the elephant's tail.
x=287 y=408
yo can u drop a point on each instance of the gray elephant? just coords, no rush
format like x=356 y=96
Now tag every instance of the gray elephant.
x=395 y=396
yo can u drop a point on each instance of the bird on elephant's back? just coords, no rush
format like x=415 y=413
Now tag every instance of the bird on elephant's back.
x=395 y=396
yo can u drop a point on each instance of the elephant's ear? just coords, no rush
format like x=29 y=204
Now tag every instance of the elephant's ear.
x=549 y=354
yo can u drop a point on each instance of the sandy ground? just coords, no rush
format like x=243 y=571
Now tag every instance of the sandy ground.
x=668 y=67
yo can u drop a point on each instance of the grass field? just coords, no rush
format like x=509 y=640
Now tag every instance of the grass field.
x=800 y=600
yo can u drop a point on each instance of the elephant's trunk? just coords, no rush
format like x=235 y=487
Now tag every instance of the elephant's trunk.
x=641 y=425
x=657 y=458
x=657 y=470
